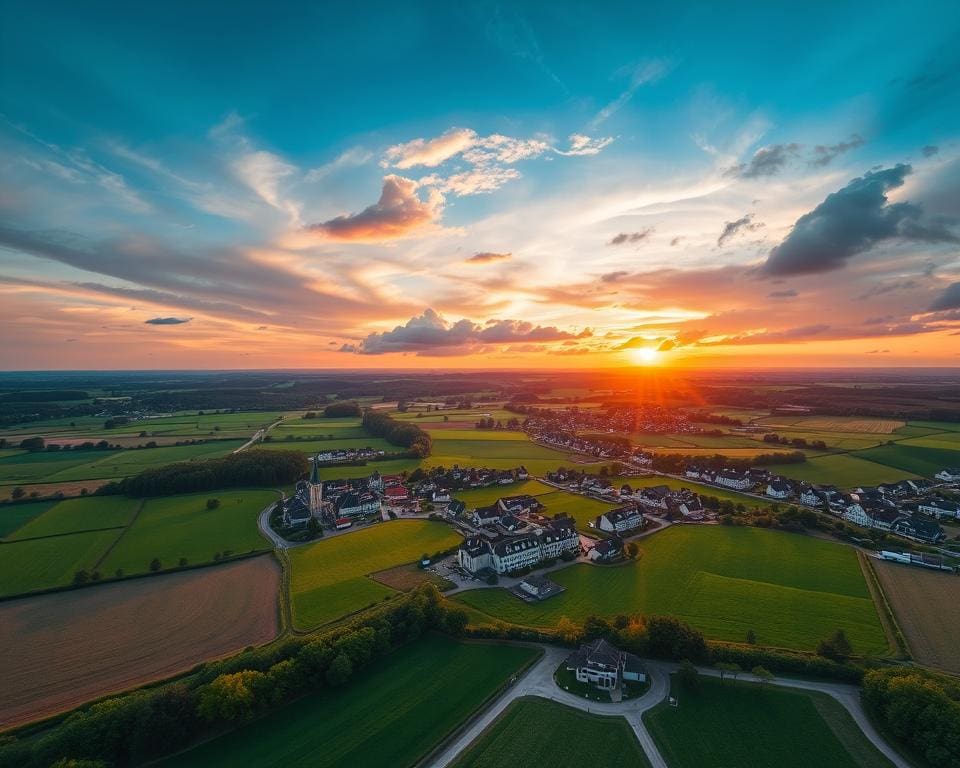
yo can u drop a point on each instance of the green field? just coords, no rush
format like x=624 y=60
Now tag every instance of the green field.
x=75 y=515
x=12 y=516
x=540 y=733
x=61 y=466
x=842 y=470
x=36 y=564
x=389 y=716
x=915 y=456
x=484 y=497
x=792 y=590
x=329 y=577
x=742 y=724
x=172 y=527
x=388 y=467
x=487 y=448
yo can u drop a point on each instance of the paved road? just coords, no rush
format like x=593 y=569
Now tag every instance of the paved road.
x=263 y=522
x=538 y=681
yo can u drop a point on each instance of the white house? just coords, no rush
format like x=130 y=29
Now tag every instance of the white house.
x=515 y=553
x=620 y=520
x=486 y=515
x=940 y=508
x=948 y=475
x=605 y=549
x=778 y=488
x=811 y=497
x=731 y=479
x=604 y=666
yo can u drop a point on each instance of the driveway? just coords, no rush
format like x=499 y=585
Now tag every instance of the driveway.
x=538 y=681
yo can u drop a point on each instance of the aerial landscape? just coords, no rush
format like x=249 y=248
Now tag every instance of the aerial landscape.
x=479 y=385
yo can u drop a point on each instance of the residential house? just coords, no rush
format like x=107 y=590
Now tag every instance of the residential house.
x=730 y=478
x=949 y=475
x=606 y=549
x=490 y=515
x=779 y=488
x=604 y=666
x=558 y=536
x=920 y=529
x=940 y=508
x=620 y=520
x=395 y=494
x=515 y=553
x=655 y=497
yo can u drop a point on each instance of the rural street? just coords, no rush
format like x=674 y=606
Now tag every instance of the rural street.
x=538 y=681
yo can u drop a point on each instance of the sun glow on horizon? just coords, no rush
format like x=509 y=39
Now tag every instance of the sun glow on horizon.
x=645 y=356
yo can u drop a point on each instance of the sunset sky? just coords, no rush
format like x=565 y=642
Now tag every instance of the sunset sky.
x=475 y=185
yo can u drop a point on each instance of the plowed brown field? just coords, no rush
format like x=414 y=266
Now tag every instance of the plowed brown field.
x=58 y=651
x=927 y=605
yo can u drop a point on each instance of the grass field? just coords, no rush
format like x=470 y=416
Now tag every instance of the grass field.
x=62 y=650
x=792 y=590
x=843 y=470
x=740 y=724
x=389 y=716
x=26 y=566
x=329 y=578
x=75 y=515
x=181 y=526
x=13 y=516
x=911 y=457
x=486 y=448
x=833 y=424
x=550 y=735
x=578 y=507
x=483 y=497
x=71 y=465
x=389 y=467
x=927 y=609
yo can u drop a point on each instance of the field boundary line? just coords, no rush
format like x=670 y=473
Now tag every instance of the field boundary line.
x=58 y=535
x=888 y=619
x=116 y=541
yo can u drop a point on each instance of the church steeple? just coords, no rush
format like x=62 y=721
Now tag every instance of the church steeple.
x=316 y=489
x=315 y=472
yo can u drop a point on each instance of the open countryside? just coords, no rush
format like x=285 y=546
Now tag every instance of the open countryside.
x=792 y=591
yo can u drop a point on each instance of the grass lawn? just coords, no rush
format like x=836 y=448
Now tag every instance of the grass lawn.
x=580 y=508
x=388 y=716
x=84 y=514
x=12 y=516
x=329 y=577
x=483 y=497
x=388 y=467
x=741 y=724
x=544 y=734
x=843 y=470
x=491 y=448
x=172 y=527
x=792 y=590
x=911 y=458
x=26 y=566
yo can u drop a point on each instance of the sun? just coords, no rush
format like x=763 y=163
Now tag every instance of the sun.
x=645 y=355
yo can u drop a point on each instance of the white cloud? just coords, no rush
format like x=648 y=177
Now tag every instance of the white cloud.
x=430 y=152
x=350 y=158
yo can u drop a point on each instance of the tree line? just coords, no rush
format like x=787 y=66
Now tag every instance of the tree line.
x=676 y=463
x=342 y=409
x=257 y=467
x=150 y=723
x=404 y=434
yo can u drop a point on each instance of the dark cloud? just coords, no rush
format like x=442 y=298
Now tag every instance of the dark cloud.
x=949 y=299
x=824 y=154
x=766 y=161
x=612 y=277
x=431 y=334
x=885 y=288
x=732 y=228
x=676 y=241
x=625 y=238
x=397 y=214
x=168 y=320
x=789 y=293
x=878 y=351
x=930 y=150
x=486 y=257
x=851 y=221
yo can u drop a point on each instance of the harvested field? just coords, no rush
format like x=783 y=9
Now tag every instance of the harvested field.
x=927 y=606
x=64 y=649
x=71 y=488
x=403 y=578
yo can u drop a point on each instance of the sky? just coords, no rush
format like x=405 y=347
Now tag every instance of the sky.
x=479 y=185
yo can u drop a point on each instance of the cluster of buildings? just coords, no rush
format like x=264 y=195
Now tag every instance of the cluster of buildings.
x=347 y=455
x=457 y=478
x=510 y=544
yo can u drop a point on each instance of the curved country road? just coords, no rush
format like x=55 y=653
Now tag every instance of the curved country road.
x=538 y=681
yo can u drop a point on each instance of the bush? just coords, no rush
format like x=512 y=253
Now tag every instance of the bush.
x=342 y=409
x=213 y=503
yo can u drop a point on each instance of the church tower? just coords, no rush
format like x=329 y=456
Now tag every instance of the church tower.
x=316 y=489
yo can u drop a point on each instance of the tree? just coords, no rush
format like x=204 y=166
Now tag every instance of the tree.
x=568 y=631
x=80 y=578
x=230 y=697
x=213 y=503
x=183 y=562
x=340 y=669
x=632 y=549
x=688 y=675
x=17 y=493
x=32 y=444
x=762 y=674
x=155 y=565
x=751 y=637
x=836 y=647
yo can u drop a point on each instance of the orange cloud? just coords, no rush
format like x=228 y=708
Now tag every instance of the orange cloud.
x=399 y=213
